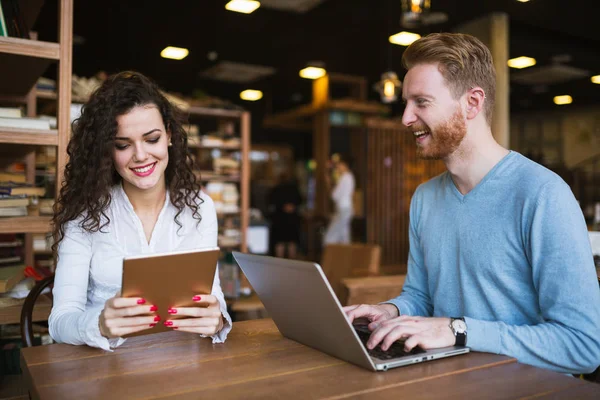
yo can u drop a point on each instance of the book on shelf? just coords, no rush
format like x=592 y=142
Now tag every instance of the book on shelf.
x=3 y=31
x=46 y=206
x=14 y=19
x=11 y=112
x=9 y=240
x=13 y=211
x=13 y=201
x=9 y=259
x=16 y=189
x=24 y=123
x=16 y=177
x=10 y=276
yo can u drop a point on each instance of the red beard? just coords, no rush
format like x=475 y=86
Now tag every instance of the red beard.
x=444 y=139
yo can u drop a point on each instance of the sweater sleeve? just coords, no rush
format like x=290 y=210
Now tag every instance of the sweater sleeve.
x=70 y=320
x=415 y=298
x=559 y=251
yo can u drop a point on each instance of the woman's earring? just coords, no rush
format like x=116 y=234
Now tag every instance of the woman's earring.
x=170 y=143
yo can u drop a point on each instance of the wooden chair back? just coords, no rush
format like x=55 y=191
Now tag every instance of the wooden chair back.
x=372 y=289
x=349 y=260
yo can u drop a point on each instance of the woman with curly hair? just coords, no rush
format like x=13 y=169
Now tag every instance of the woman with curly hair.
x=128 y=189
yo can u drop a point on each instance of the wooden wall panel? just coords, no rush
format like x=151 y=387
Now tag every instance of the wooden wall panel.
x=393 y=174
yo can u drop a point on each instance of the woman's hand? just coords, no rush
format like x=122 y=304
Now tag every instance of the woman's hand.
x=205 y=319
x=124 y=315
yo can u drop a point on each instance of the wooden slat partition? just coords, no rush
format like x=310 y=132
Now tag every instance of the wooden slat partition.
x=393 y=173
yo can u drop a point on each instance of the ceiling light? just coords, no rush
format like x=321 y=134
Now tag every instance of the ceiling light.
x=564 y=99
x=404 y=38
x=521 y=62
x=596 y=79
x=523 y=1
x=174 y=53
x=312 y=72
x=242 y=6
x=251 y=95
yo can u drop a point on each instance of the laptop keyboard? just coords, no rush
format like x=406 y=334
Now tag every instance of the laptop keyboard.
x=396 y=350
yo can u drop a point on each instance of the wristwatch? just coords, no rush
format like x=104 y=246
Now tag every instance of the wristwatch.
x=459 y=328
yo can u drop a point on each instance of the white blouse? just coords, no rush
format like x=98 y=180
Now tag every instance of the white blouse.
x=90 y=265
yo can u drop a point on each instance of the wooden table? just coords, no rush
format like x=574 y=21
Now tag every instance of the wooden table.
x=257 y=362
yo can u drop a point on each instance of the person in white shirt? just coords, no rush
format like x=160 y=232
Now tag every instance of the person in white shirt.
x=129 y=189
x=338 y=230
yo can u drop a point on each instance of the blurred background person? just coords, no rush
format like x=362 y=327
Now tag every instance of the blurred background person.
x=339 y=227
x=284 y=200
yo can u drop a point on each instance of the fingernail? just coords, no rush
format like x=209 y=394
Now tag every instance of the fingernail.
x=157 y=318
x=175 y=327
x=196 y=298
x=172 y=311
x=153 y=308
x=141 y=301
x=168 y=323
x=152 y=325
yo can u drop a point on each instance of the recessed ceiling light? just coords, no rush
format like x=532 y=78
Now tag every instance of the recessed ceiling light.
x=596 y=79
x=404 y=38
x=523 y=1
x=562 y=100
x=521 y=62
x=242 y=6
x=251 y=95
x=174 y=53
x=312 y=72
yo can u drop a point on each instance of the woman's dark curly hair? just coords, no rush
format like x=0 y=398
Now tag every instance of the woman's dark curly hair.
x=90 y=173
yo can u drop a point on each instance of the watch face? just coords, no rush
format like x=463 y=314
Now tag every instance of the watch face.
x=459 y=326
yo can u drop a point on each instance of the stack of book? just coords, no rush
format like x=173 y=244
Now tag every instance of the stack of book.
x=16 y=194
x=11 y=261
x=12 y=117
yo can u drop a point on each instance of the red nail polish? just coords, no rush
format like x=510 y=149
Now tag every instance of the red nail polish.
x=152 y=325
x=196 y=298
x=153 y=308
x=168 y=323
x=172 y=311
x=157 y=318
x=141 y=301
x=175 y=327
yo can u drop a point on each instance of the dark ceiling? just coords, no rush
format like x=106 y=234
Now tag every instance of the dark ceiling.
x=350 y=36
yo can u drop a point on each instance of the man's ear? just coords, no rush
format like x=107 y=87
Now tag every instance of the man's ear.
x=475 y=101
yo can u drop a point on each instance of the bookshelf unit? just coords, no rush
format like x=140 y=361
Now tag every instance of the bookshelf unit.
x=22 y=62
x=242 y=178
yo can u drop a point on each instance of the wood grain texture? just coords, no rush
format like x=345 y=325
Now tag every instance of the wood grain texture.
x=29 y=136
x=29 y=48
x=25 y=224
x=256 y=362
x=509 y=381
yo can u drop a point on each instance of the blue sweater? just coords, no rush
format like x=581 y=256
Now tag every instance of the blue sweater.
x=513 y=257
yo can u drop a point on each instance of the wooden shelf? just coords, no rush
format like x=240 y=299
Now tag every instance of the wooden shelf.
x=214 y=112
x=208 y=176
x=41 y=311
x=25 y=225
x=29 y=136
x=29 y=48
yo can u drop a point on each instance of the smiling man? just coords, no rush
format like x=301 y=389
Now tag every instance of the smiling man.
x=499 y=253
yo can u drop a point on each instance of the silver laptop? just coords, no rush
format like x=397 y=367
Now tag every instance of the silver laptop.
x=302 y=304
